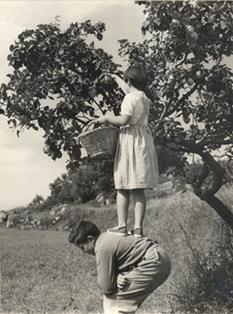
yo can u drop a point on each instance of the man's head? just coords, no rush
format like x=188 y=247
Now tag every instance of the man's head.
x=84 y=236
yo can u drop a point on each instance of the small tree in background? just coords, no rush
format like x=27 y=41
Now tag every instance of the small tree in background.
x=168 y=158
x=60 y=190
x=81 y=184
x=36 y=202
x=184 y=52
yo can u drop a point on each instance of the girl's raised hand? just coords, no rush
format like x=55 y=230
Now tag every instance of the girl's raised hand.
x=100 y=120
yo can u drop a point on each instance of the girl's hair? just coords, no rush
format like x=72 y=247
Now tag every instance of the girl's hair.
x=80 y=232
x=136 y=76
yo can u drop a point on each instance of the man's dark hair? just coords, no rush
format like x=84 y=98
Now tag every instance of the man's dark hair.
x=80 y=232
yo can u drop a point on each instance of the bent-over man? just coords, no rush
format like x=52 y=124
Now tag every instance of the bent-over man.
x=129 y=268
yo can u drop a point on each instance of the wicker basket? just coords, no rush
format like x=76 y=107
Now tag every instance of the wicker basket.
x=100 y=143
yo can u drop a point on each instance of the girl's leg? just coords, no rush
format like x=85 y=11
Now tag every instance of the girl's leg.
x=139 y=207
x=122 y=207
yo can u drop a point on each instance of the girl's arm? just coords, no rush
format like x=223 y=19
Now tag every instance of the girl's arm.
x=115 y=120
x=121 y=83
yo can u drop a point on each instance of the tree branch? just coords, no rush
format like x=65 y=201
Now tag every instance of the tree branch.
x=192 y=147
x=161 y=117
x=181 y=100
x=200 y=141
x=217 y=174
x=183 y=60
x=97 y=104
x=212 y=140
x=229 y=172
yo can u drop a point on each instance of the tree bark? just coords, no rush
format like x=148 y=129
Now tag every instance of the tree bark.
x=211 y=180
x=221 y=209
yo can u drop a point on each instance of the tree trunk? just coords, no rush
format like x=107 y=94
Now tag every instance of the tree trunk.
x=210 y=181
x=221 y=209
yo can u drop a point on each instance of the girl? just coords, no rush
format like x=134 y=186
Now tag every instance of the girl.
x=135 y=166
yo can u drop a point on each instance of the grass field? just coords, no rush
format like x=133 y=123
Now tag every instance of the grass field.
x=42 y=273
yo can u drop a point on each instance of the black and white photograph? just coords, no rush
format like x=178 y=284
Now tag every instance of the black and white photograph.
x=116 y=157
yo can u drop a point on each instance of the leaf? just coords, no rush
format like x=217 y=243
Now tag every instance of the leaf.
x=99 y=36
x=92 y=44
x=35 y=127
x=12 y=121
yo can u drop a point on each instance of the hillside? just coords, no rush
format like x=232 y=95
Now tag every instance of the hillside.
x=180 y=222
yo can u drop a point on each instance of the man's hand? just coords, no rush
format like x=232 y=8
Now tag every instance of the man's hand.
x=122 y=281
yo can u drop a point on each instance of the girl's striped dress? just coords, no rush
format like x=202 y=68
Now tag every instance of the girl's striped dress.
x=136 y=165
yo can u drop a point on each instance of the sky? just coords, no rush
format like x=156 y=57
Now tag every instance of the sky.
x=25 y=171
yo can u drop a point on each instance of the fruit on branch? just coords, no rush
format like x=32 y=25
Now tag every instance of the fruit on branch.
x=92 y=92
x=190 y=29
x=107 y=79
x=186 y=119
x=199 y=74
x=175 y=22
x=191 y=36
x=190 y=81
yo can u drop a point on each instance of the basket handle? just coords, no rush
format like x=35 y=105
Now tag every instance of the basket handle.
x=89 y=124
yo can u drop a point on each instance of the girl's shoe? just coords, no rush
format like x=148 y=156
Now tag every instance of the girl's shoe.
x=137 y=232
x=121 y=231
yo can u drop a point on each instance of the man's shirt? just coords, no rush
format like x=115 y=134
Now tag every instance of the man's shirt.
x=115 y=254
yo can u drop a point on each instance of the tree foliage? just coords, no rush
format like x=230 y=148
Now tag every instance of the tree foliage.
x=91 y=178
x=56 y=85
x=168 y=159
x=36 y=202
x=184 y=50
x=81 y=184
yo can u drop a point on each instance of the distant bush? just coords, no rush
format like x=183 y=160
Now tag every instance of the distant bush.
x=170 y=160
x=91 y=178
x=209 y=285
x=80 y=185
x=193 y=172
x=36 y=203
x=61 y=190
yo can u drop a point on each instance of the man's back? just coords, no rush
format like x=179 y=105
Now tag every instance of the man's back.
x=115 y=254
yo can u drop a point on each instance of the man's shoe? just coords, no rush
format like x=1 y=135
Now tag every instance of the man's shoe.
x=121 y=231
